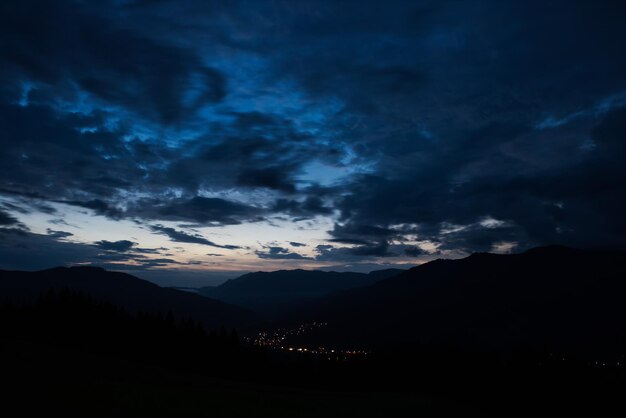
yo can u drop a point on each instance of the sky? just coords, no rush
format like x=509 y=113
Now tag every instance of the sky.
x=190 y=141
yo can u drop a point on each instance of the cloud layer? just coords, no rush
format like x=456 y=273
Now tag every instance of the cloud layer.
x=414 y=128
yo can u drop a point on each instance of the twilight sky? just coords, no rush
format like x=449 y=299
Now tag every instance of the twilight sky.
x=188 y=141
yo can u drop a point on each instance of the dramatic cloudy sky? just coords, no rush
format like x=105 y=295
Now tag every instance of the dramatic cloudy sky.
x=191 y=140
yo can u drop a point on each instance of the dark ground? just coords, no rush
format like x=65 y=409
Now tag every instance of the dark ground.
x=42 y=380
x=65 y=353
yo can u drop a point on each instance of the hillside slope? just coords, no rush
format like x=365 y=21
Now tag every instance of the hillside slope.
x=271 y=292
x=124 y=290
x=557 y=297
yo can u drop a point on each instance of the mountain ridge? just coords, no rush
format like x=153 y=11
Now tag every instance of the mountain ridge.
x=124 y=290
x=560 y=296
x=271 y=292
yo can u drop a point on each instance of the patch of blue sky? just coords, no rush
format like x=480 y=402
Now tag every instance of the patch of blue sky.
x=325 y=174
x=257 y=197
x=316 y=172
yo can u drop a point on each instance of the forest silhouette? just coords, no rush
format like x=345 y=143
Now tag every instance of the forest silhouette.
x=73 y=351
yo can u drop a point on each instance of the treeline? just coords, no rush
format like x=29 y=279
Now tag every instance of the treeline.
x=77 y=322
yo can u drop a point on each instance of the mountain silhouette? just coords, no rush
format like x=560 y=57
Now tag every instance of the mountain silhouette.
x=552 y=297
x=123 y=290
x=273 y=292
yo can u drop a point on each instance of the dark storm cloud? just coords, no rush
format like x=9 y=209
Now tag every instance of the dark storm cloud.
x=361 y=251
x=450 y=101
x=349 y=232
x=9 y=224
x=363 y=58
x=58 y=234
x=327 y=252
x=302 y=209
x=6 y=219
x=467 y=124
x=30 y=251
x=181 y=236
x=51 y=159
x=352 y=241
x=414 y=252
x=21 y=249
x=25 y=205
x=272 y=178
x=380 y=249
x=366 y=240
x=66 y=65
x=576 y=200
x=97 y=205
x=62 y=61
x=202 y=210
x=117 y=246
x=59 y=44
x=279 y=253
x=248 y=154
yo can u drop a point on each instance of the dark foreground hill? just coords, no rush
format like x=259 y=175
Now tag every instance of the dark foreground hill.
x=72 y=355
x=552 y=298
x=271 y=292
x=123 y=290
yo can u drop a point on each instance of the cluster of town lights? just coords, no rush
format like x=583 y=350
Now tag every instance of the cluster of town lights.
x=278 y=340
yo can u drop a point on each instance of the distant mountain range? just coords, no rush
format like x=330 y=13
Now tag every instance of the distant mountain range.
x=558 y=298
x=555 y=297
x=274 y=292
x=123 y=290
